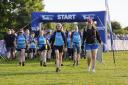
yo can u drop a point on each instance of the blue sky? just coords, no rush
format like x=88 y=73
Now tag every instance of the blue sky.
x=117 y=8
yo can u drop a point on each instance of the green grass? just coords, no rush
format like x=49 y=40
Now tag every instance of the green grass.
x=32 y=74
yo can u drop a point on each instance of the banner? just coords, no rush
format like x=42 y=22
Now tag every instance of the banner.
x=117 y=45
x=44 y=17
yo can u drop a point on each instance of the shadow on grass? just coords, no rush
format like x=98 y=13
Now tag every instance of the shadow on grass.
x=40 y=72
x=122 y=76
x=59 y=84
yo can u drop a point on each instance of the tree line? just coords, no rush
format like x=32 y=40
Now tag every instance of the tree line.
x=14 y=14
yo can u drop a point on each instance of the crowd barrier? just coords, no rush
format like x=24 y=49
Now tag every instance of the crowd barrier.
x=117 y=45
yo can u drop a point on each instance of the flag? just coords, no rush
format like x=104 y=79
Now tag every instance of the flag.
x=109 y=23
x=110 y=27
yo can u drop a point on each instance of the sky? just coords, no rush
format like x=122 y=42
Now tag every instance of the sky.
x=117 y=8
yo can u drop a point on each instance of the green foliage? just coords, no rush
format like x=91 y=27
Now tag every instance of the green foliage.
x=120 y=31
x=82 y=25
x=126 y=28
x=117 y=29
x=1 y=36
x=49 y=26
x=17 y=13
x=116 y=25
x=68 y=26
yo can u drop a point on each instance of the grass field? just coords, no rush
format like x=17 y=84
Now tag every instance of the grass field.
x=32 y=74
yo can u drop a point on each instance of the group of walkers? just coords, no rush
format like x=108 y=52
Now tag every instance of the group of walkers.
x=57 y=42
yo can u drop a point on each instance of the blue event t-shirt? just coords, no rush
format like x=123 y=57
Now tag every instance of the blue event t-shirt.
x=21 y=41
x=76 y=38
x=58 y=39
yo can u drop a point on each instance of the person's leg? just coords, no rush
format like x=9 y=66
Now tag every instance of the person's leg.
x=78 y=54
x=41 y=57
x=34 y=53
x=60 y=49
x=68 y=53
x=74 y=58
x=31 y=53
x=8 y=52
x=74 y=55
x=49 y=54
x=13 y=53
x=94 y=52
x=57 y=60
x=44 y=57
x=20 y=57
x=60 y=58
x=78 y=58
x=23 y=56
x=26 y=54
x=88 y=55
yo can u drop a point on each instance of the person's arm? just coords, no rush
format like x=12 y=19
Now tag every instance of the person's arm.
x=47 y=43
x=98 y=37
x=52 y=39
x=15 y=42
x=72 y=38
x=84 y=36
x=64 y=38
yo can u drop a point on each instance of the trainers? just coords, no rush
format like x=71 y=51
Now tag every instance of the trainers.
x=88 y=69
x=44 y=64
x=23 y=64
x=19 y=63
x=62 y=64
x=41 y=63
x=57 y=70
x=93 y=70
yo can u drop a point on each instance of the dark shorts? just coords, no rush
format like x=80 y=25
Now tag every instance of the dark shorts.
x=60 y=48
x=10 y=49
x=70 y=51
x=19 y=49
x=32 y=50
x=42 y=48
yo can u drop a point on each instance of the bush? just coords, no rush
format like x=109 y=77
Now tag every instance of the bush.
x=1 y=36
x=120 y=31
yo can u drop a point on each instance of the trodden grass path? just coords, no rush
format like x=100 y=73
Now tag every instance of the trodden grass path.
x=33 y=74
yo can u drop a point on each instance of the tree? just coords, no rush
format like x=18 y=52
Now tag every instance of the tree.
x=81 y=25
x=17 y=13
x=126 y=28
x=116 y=25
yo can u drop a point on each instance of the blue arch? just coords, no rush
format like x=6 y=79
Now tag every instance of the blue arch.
x=99 y=16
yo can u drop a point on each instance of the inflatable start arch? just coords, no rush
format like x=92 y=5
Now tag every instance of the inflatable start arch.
x=98 y=16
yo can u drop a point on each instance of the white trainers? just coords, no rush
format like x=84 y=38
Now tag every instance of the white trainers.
x=93 y=70
x=88 y=69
